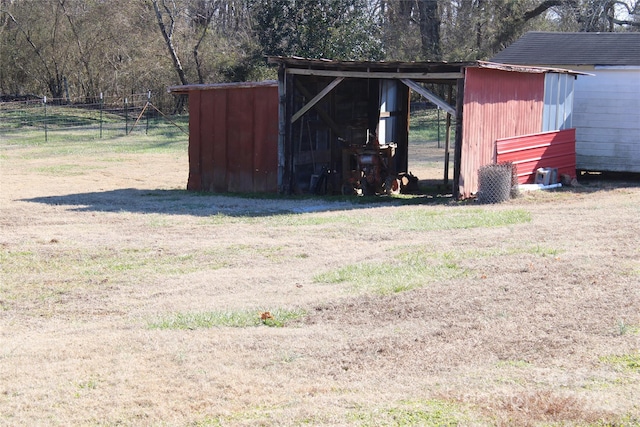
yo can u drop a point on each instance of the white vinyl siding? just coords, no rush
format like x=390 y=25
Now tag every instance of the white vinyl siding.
x=607 y=120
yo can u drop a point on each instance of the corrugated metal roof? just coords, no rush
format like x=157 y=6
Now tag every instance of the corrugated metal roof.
x=406 y=67
x=373 y=66
x=552 y=48
x=526 y=69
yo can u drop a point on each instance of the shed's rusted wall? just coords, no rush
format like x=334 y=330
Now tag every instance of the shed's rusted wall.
x=542 y=150
x=497 y=104
x=233 y=138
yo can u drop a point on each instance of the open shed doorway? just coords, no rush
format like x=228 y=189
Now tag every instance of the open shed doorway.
x=344 y=126
x=432 y=140
x=353 y=140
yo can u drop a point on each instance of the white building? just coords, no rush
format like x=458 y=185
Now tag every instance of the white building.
x=606 y=111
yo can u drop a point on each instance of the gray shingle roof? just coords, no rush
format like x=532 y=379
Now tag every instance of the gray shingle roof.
x=547 y=48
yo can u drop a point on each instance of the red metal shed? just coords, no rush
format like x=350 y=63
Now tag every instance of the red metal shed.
x=233 y=136
x=516 y=114
x=288 y=136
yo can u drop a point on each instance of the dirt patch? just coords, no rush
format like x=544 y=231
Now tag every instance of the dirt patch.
x=518 y=334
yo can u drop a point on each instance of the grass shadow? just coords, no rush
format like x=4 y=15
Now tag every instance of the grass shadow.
x=183 y=202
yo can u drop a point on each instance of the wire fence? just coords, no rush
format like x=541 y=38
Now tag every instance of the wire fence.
x=42 y=119
x=48 y=119
x=428 y=124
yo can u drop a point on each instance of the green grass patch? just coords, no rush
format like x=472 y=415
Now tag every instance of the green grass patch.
x=413 y=268
x=537 y=250
x=71 y=143
x=70 y=131
x=423 y=126
x=63 y=170
x=78 y=262
x=425 y=219
x=48 y=271
x=625 y=328
x=459 y=218
x=628 y=362
x=426 y=413
x=406 y=271
x=233 y=319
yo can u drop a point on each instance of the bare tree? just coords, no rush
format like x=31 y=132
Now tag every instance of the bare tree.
x=91 y=90
x=605 y=15
x=203 y=18
x=512 y=22
x=45 y=65
x=167 y=33
x=429 y=23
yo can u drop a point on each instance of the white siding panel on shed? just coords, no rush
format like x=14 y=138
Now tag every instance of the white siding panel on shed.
x=607 y=120
x=558 y=102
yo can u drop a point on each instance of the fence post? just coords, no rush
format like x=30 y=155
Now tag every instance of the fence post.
x=101 y=106
x=44 y=103
x=126 y=116
x=146 y=132
x=438 y=127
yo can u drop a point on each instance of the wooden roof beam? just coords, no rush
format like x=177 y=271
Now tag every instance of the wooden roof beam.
x=326 y=118
x=430 y=96
x=316 y=99
x=377 y=74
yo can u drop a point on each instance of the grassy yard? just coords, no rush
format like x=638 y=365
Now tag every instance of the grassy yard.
x=126 y=300
x=429 y=126
x=33 y=124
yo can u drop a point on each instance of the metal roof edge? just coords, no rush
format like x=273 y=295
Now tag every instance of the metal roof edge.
x=528 y=68
x=306 y=62
x=616 y=67
x=182 y=89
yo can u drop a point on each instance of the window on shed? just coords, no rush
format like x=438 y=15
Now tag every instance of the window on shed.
x=558 y=102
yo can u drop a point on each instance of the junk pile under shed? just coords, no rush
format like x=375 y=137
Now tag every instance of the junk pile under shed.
x=342 y=127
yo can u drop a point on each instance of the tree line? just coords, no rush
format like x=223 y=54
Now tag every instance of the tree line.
x=81 y=48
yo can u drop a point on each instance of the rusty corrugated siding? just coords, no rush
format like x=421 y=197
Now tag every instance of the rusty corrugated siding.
x=233 y=138
x=497 y=104
x=543 y=150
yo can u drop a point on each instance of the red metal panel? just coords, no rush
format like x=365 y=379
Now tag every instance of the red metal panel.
x=542 y=150
x=240 y=133
x=497 y=104
x=265 y=155
x=217 y=138
x=233 y=138
x=207 y=101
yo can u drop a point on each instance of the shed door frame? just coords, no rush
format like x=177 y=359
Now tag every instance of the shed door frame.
x=287 y=116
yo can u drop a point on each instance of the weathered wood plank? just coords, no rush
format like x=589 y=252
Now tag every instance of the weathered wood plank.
x=376 y=74
x=316 y=99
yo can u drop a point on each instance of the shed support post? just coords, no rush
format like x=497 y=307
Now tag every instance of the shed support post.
x=288 y=174
x=457 y=157
x=447 y=138
x=282 y=108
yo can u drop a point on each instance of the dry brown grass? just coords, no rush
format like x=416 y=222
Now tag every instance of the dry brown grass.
x=519 y=324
